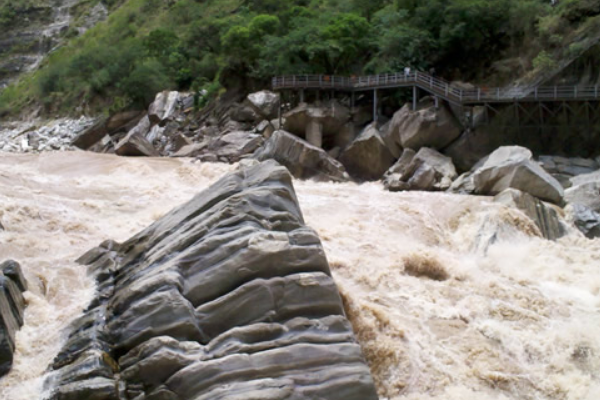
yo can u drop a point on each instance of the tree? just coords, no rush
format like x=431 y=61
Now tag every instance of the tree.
x=146 y=79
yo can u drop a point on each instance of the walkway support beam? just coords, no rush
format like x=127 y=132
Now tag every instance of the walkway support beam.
x=415 y=94
x=375 y=105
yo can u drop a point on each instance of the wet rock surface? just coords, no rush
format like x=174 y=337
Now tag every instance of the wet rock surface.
x=430 y=126
x=301 y=158
x=545 y=216
x=564 y=168
x=227 y=297
x=12 y=309
x=513 y=167
x=426 y=170
x=367 y=157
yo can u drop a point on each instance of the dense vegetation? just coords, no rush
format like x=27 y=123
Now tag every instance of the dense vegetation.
x=150 y=45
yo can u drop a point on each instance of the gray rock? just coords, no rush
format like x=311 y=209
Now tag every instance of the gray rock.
x=265 y=103
x=124 y=121
x=512 y=167
x=390 y=141
x=235 y=145
x=163 y=108
x=331 y=116
x=585 y=190
x=586 y=220
x=142 y=128
x=192 y=150
x=243 y=113
x=12 y=309
x=367 y=157
x=92 y=135
x=470 y=147
x=301 y=158
x=563 y=169
x=120 y=122
x=228 y=296
x=463 y=184
x=426 y=170
x=428 y=127
x=134 y=144
x=545 y=216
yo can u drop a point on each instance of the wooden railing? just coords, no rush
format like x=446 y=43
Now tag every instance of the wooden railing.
x=437 y=87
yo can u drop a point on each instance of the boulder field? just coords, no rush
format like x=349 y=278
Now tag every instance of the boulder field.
x=415 y=150
x=229 y=296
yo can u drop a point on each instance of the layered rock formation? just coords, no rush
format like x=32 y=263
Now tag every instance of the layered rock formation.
x=301 y=158
x=545 y=216
x=12 y=308
x=227 y=297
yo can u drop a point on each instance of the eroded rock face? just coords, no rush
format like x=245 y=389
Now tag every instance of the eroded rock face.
x=12 y=308
x=513 y=167
x=227 y=297
x=302 y=159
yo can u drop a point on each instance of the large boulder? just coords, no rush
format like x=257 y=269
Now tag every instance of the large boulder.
x=389 y=139
x=513 y=167
x=564 y=168
x=585 y=190
x=230 y=147
x=428 y=127
x=163 y=108
x=91 y=135
x=426 y=170
x=134 y=144
x=265 y=103
x=229 y=296
x=331 y=118
x=12 y=309
x=235 y=145
x=584 y=201
x=545 y=216
x=302 y=159
x=470 y=147
x=117 y=123
x=586 y=220
x=367 y=157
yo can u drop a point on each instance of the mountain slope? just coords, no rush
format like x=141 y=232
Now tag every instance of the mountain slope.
x=149 y=45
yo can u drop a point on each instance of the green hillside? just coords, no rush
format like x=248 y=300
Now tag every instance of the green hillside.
x=149 y=45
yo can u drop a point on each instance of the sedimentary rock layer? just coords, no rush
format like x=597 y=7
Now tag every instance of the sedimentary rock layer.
x=12 y=308
x=227 y=297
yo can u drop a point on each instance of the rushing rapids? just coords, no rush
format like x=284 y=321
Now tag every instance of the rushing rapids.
x=451 y=297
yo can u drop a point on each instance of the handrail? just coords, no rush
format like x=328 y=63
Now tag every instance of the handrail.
x=436 y=86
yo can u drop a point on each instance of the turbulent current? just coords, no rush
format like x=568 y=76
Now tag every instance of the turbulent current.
x=452 y=297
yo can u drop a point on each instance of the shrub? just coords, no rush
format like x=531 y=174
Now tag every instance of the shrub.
x=544 y=61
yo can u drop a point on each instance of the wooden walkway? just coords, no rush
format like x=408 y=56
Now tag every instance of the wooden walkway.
x=437 y=87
